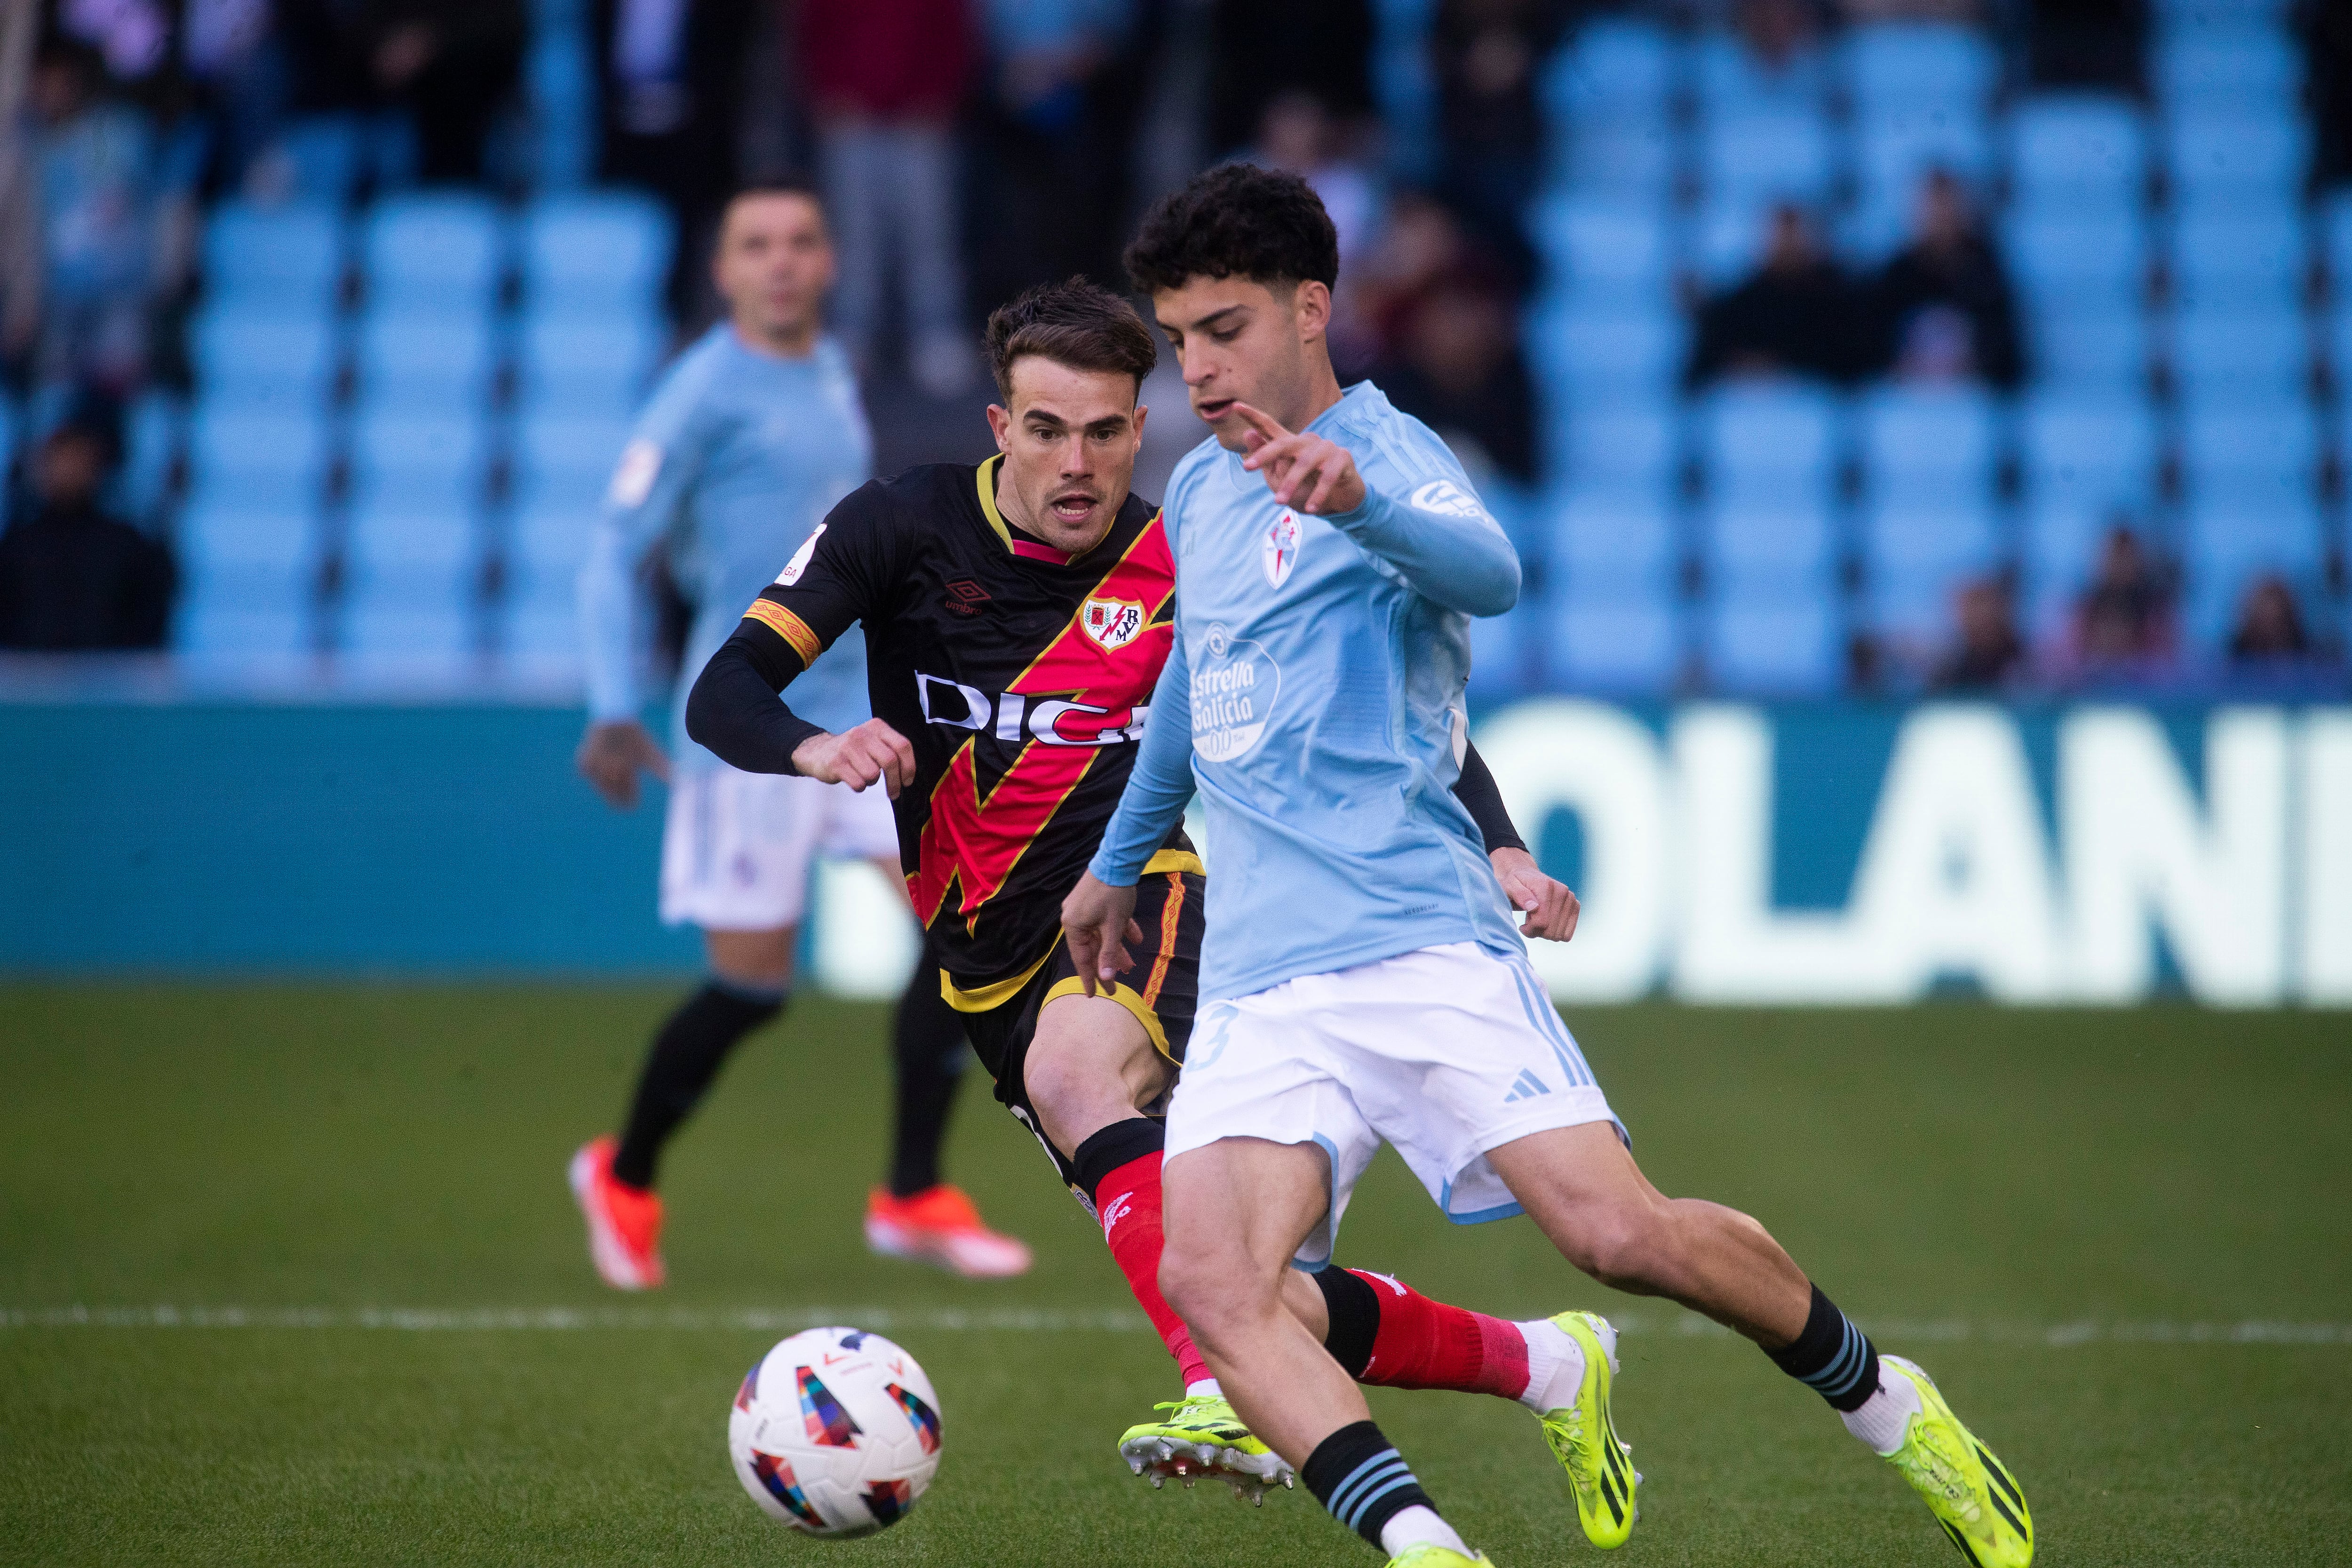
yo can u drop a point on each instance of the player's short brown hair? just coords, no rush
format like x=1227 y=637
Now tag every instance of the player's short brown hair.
x=1077 y=324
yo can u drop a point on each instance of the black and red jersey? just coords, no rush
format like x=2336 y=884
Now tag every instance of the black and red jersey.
x=1020 y=675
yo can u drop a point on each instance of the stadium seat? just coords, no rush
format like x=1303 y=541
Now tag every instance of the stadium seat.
x=1618 y=68
x=2227 y=64
x=1632 y=156
x=1772 y=444
x=2224 y=351
x=2335 y=215
x=2233 y=160
x=1897 y=145
x=1904 y=64
x=154 y=433
x=437 y=252
x=2246 y=456
x=247 y=575
x=418 y=461
x=588 y=364
x=1618 y=448
x=1732 y=231
x=565 y=461
x=1608 y=348
x=285 y=260
x=1760 y=548
x=2247 y=257
x=2072 y=154
x=269 y=461
x=1602 y=535
x=2096 y=255
x=1732 y=78
x=1600 y=248
x=1919 y=552
x=254 y=360
x=425 y=362
x=1927 y=446
x=411 y=577
x=2080 y=352
x=1764 y=153
x=587 y=252
x=2086 y=459
x=1618 y=636
x=1777 y=645
x=2227 y=546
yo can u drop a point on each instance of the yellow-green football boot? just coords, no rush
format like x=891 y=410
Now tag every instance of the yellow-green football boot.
x=1972 y=1494
x=1430 y=1555
x=1202 y=1438
x=1583 y=1436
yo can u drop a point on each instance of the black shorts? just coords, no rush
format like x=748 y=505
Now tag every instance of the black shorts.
x=1161 y=990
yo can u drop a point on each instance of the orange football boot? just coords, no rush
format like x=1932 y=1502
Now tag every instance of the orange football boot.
x=623 y=1222
x=940 y=1224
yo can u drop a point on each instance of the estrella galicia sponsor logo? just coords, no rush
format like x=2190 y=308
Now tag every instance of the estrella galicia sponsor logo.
x=1233 y=693
x=798 y=562
x=1278 y=551
x=1446 y=499
x=1014 y=717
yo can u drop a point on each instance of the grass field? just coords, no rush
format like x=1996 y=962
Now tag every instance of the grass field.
x=2120 y=1242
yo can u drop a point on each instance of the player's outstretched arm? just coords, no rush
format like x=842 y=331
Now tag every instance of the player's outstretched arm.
x=1462 y=560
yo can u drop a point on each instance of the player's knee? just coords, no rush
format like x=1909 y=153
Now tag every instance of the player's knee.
x=1623 y=1246
x=1198 y=1282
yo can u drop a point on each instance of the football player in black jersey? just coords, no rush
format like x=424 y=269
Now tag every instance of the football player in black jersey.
x=1016 y=617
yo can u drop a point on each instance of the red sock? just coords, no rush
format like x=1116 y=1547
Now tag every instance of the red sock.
x=1423 y=1343
x=1128 y=1203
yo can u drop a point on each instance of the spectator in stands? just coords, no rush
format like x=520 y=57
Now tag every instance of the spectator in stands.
x=1259 y=51
x=672 y=82
x=1300 y=134
x=2096 y=44
x=233 y=54
x=884 y=79
x=2325 y=29
x=1944 y=310
x=2124 y=623
x=1781 y=35
x=1798 y=314
x=95 y=158
x=2270 y=634
x=1418 y=242
x=73 y=579
x=1487 y=57
x=1460 y=372
x=1055 y=131
x=1990 y=653
x=454 y=66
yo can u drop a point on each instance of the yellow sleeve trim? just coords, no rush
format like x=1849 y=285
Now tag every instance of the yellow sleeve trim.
x=996 y=993
x=1174 y=860
x=789 y=626
x=1129 y=999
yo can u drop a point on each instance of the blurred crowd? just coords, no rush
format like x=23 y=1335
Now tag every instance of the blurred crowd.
x=969 y=148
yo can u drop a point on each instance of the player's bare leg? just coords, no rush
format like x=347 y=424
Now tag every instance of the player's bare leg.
x=1580 y=1187
x=1240 y=1209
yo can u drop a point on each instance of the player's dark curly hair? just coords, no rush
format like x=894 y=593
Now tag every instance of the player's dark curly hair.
x=1236 y=221
x=1075 y=323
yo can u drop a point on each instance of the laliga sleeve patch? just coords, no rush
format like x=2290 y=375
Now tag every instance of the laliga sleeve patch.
x=633 y=475
x=1446 y=499
x=798 y=562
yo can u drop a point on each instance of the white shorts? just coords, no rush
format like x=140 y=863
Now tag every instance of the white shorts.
x=736 y=846
x=1444 y=1054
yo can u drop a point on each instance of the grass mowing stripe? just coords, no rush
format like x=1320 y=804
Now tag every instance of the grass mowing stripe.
x=883 y=1320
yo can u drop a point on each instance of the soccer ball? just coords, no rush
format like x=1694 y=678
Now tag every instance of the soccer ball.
x=835 y=1432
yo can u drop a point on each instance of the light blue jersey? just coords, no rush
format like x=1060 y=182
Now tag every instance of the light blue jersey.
x=1314 y=694
x=734 y=462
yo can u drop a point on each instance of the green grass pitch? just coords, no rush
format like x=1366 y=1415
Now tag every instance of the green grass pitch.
x=2120 y=1241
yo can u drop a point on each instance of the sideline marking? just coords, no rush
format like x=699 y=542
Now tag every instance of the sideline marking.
x=883 y=1319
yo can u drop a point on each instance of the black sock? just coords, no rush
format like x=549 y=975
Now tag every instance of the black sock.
x=927 y=1040
x=1359 y=1475
x=1113 y=1148
x=686 y=1054
x=1354 y=1308
x=1831 y=1357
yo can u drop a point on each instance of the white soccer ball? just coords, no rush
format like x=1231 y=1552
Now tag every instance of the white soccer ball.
x=835 y=1432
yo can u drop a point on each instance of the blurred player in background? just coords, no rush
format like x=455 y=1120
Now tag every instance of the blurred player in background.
x=1363 y=983
x=1016 y=615
x=751 y=437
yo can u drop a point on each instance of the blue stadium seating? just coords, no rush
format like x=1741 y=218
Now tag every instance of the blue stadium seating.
x=2250 y=257
x=2096 y=257
x=1902 y=65
x=1621 y=637
x=1604 y=539
x=1774 y=645
x=1605 y=349
x=411 y=573
x=595 y=252
x=2083 y=352
x=1765 y=549
x=2086 y=459
x=248 y=576
x=2232 y=161
x=274 y=462
x=1618 y=450
x=588 y=364
x=1770 y=444
x=1920 y=550
x=1600 y=248
x=437 y=252
x=413 y=461
x=2226 y=63
x=1767 y=151
x=285 y=260
x=2257 y=354
x=565 y=461
x=2072 y=154
x=251 y=359
x=1928 y=445
x=426 y=362
x=1731 y=78
x=1618 y=70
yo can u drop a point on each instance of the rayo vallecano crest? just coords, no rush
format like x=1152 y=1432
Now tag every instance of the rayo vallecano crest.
x=1111 y=621
x=1281 y=548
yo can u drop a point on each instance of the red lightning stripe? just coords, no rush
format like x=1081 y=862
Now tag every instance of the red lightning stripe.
x=978 y=843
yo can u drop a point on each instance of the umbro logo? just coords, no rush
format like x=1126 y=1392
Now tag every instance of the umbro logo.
x=965 y=597
x=1527 y=1087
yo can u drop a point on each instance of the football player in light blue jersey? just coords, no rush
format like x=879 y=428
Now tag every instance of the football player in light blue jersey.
x=1360 y=980
x=751 y=438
